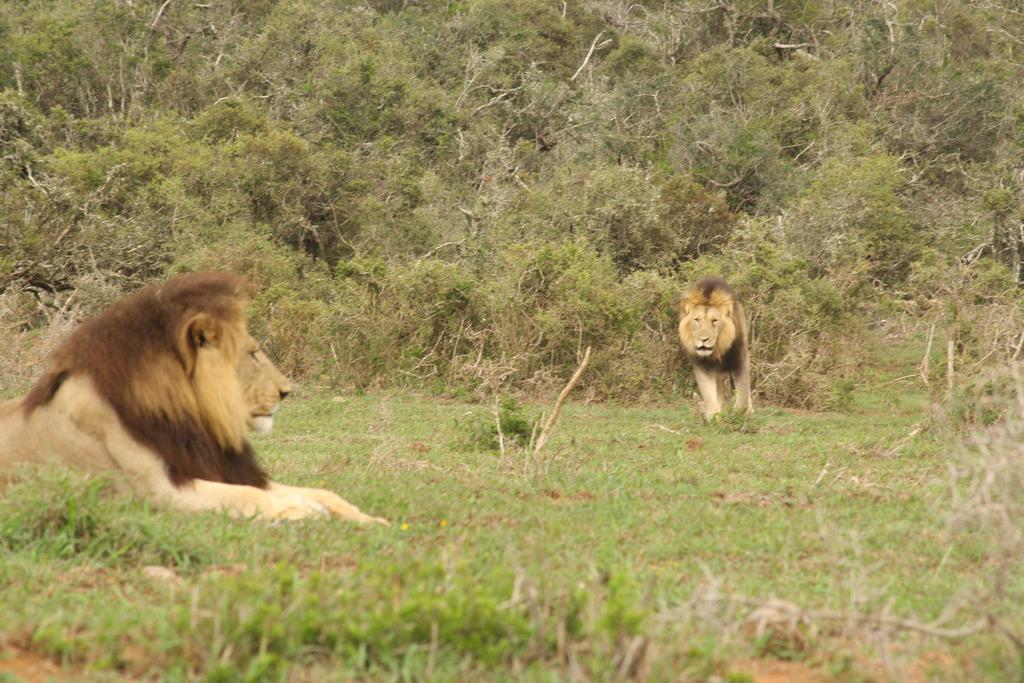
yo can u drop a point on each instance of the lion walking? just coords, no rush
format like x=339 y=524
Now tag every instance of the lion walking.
x=713 y=331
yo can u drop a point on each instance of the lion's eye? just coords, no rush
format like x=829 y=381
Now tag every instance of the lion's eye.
x=714 y=323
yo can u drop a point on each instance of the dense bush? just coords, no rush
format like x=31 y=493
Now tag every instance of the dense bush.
x=461 y=197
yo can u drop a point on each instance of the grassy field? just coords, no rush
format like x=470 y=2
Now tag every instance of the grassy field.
x=639 y=544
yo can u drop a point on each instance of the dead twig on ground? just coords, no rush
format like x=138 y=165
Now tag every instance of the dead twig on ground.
x=768 y=613
x=893 y=381
x=556 y=411
x=665 y=429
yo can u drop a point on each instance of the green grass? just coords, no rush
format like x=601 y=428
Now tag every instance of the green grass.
x=583 y=562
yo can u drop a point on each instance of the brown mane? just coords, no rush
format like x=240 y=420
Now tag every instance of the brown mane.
x=715 y=292
x=142 y=355
x=710 y=291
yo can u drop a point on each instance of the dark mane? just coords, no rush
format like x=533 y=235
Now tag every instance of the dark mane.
x=731 y=360
x=711 y=284
x=138 y=341
x=706 y=291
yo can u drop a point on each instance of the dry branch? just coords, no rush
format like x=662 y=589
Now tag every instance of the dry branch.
x=894 y=380
x=1017 y=348
x=665 y=429
x=949 y=366
x=773 y=609
x=160 y=13
x=556 y=411
x=590 y=54
x=497 y=425
x=924 y=366
x=774 y=612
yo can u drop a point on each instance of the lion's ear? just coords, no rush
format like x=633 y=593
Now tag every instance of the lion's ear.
x=203 y=330
x=684 y=307
x=200 y=331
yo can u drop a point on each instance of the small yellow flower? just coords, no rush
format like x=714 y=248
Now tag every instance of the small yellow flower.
x=444 y=522
x=404 y=527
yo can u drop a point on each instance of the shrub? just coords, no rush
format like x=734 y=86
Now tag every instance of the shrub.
x=227 y=119
x=517 y=429
x=22 y=132
x=531 y=31
x=699 y=219
x=853 y=211
x=985 y=501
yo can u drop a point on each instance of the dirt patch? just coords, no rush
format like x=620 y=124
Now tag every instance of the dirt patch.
x=568 y=496
x=32 y=668
x=763 y=500
x=931 y=663
x=388 y=462
x=777 y=671
x=496 y=522
x=88 y=578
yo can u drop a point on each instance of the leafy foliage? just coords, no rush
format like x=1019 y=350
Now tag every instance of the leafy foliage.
x=441 y=195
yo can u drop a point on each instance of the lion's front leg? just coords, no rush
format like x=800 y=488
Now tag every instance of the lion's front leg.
x=741 y=380
x=147 y=476
x=244 y=501
x=707 y=385
x=335 y=504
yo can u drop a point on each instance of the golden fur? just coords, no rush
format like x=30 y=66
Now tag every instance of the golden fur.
x=713 y=332
x=162 y=388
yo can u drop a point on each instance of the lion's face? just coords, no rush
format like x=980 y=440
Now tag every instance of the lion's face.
x=263 y=386
x=707 y=328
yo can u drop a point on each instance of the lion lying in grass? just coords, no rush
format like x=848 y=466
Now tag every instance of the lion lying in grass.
x=162 y=388
x=713 y=331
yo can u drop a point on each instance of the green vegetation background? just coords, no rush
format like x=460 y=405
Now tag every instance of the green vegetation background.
x=460 y=196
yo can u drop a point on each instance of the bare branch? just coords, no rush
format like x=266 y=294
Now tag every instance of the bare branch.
x=590 y=53
x=440 y=247
x=922 y=368
x=497 y=424
x=1017 y=348
x=32 y=180
x=556 y=411
x=773 y=611
x=17 y=79
x=975 y=253
x=796 y=612
x=666 y=429
x=159 y=13
x=949 y=366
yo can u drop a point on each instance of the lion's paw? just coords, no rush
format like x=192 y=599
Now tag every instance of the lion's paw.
x=341 y=508
x=370 y=519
